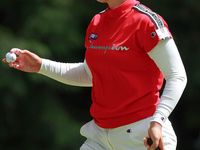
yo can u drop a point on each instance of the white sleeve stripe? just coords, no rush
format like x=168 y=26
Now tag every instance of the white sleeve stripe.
x=158 y=22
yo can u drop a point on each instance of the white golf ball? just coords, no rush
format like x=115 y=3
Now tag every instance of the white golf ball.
x=10 y=57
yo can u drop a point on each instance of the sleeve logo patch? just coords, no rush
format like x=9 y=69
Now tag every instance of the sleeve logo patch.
x=153 y=34
x=162 y=118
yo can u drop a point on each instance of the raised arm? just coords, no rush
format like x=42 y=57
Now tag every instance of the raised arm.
x=77 y=74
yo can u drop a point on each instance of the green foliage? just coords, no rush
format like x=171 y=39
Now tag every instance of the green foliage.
x=40 y=113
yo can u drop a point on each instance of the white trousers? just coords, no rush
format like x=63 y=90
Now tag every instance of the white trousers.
x=128 y=137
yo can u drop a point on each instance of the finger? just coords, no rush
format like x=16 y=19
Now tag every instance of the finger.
x=16 y=51
x=161 y=144
x=14 y=65
x=4 y=60
x=155 y=144
x=146 y=143
x=19 y=51
x=11 y=64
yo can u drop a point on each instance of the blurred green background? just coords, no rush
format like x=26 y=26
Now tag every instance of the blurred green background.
x=38 y=113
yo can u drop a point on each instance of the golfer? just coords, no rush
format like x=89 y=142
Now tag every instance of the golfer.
x=129 y=52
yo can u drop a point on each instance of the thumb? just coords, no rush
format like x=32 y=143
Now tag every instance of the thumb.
x=153 y=147
x=154 y=144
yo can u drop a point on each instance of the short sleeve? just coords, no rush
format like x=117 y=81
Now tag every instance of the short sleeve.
x=153 y=28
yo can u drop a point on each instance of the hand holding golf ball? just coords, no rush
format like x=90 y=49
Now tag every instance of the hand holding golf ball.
x=26 y=60
x=10 y=57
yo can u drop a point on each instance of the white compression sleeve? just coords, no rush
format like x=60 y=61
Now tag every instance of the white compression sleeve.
x=168 y=60
x=76 y=74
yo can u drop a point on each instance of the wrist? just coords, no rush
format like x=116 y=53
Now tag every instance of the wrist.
x=155 y=125
x=158 y=117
